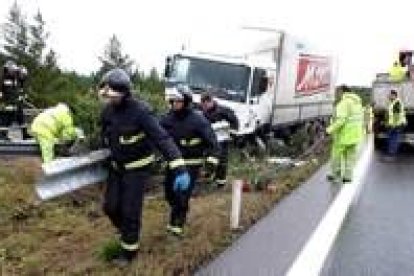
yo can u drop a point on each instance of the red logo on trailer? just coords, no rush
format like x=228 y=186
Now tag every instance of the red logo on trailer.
x=314 y=75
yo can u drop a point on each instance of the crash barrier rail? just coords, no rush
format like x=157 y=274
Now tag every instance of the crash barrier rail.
x=65 y=175
x=69 y=174
x=31 y=112
x=26 y=148
x=311 y=259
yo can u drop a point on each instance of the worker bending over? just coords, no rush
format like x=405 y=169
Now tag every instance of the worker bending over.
x=54 y=126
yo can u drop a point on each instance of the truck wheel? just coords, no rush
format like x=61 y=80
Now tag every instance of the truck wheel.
x=379 y=144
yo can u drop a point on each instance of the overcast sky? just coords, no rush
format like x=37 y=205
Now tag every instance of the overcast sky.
x=365 y=36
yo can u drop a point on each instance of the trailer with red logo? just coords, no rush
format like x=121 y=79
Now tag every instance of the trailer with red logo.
x=276 y=86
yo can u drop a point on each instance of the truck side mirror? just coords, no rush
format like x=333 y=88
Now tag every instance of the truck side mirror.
x=168 y=67
x=264 y=81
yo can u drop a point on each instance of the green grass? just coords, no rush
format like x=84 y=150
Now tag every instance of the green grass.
x=109 y=250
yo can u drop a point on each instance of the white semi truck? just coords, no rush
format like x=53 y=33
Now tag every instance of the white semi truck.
x=274 y=87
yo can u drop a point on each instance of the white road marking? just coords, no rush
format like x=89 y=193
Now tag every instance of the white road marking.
x=312 y=257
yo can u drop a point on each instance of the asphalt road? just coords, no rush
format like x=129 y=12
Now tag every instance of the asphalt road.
x=377 y=238
x=271 y=246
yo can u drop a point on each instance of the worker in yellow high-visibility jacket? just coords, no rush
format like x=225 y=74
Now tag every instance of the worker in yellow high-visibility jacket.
x=397 y=72
x=347 y=132
x=396 y=120
x=52 y=126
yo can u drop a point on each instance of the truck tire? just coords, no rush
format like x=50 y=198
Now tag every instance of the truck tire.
x=379 y=144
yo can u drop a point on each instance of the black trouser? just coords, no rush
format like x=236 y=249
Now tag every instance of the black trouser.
x=221 y=172
x=123 y=203
x=179 y=201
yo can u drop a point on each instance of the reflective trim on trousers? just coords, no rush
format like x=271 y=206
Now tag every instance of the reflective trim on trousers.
x=130 y=247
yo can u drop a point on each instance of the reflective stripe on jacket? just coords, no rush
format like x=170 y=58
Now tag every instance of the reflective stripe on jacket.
x=396 y=118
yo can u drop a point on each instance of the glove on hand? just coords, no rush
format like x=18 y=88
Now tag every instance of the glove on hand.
x=181 y=182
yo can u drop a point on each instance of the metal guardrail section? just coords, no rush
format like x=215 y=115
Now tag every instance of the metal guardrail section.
x=65 y=175
x=56 y=185
x=65 y=164
x=26 y=147
x=32 y=111
x=49 y=187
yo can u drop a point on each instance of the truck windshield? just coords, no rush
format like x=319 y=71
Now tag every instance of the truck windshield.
x=226 y=81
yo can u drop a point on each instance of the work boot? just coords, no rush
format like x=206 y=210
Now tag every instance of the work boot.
x=124 y=258
x=332 y=177
x=177 y=231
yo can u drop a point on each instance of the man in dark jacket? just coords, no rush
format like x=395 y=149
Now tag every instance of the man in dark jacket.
x=216 y=113
x=131 y=131
x=196 y=140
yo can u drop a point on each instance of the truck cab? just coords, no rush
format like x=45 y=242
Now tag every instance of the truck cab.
x=276 y=85
x=234 y=82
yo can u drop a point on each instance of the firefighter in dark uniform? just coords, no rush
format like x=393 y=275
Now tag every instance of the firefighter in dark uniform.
x=216 y=113
x=131 y=131
x=198 y=144
x=12 y=96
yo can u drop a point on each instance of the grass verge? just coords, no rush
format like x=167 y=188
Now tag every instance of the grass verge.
x=68 y=236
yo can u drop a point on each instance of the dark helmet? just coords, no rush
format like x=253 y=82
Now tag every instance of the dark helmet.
x=117 y=79
x=344 y=88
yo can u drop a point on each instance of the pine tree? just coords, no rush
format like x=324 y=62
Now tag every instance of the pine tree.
x=51 y=60
x=15 y=36
x=38 y=39
x=24 y=42
x=114 y=58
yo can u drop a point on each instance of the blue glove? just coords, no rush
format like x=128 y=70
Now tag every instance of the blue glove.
x=181 y=182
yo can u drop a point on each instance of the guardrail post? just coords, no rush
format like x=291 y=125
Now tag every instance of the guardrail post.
x=236 y=204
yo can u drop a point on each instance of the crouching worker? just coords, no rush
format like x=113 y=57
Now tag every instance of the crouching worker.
x=196 y=139
x=52 y=127
x=130 y=131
